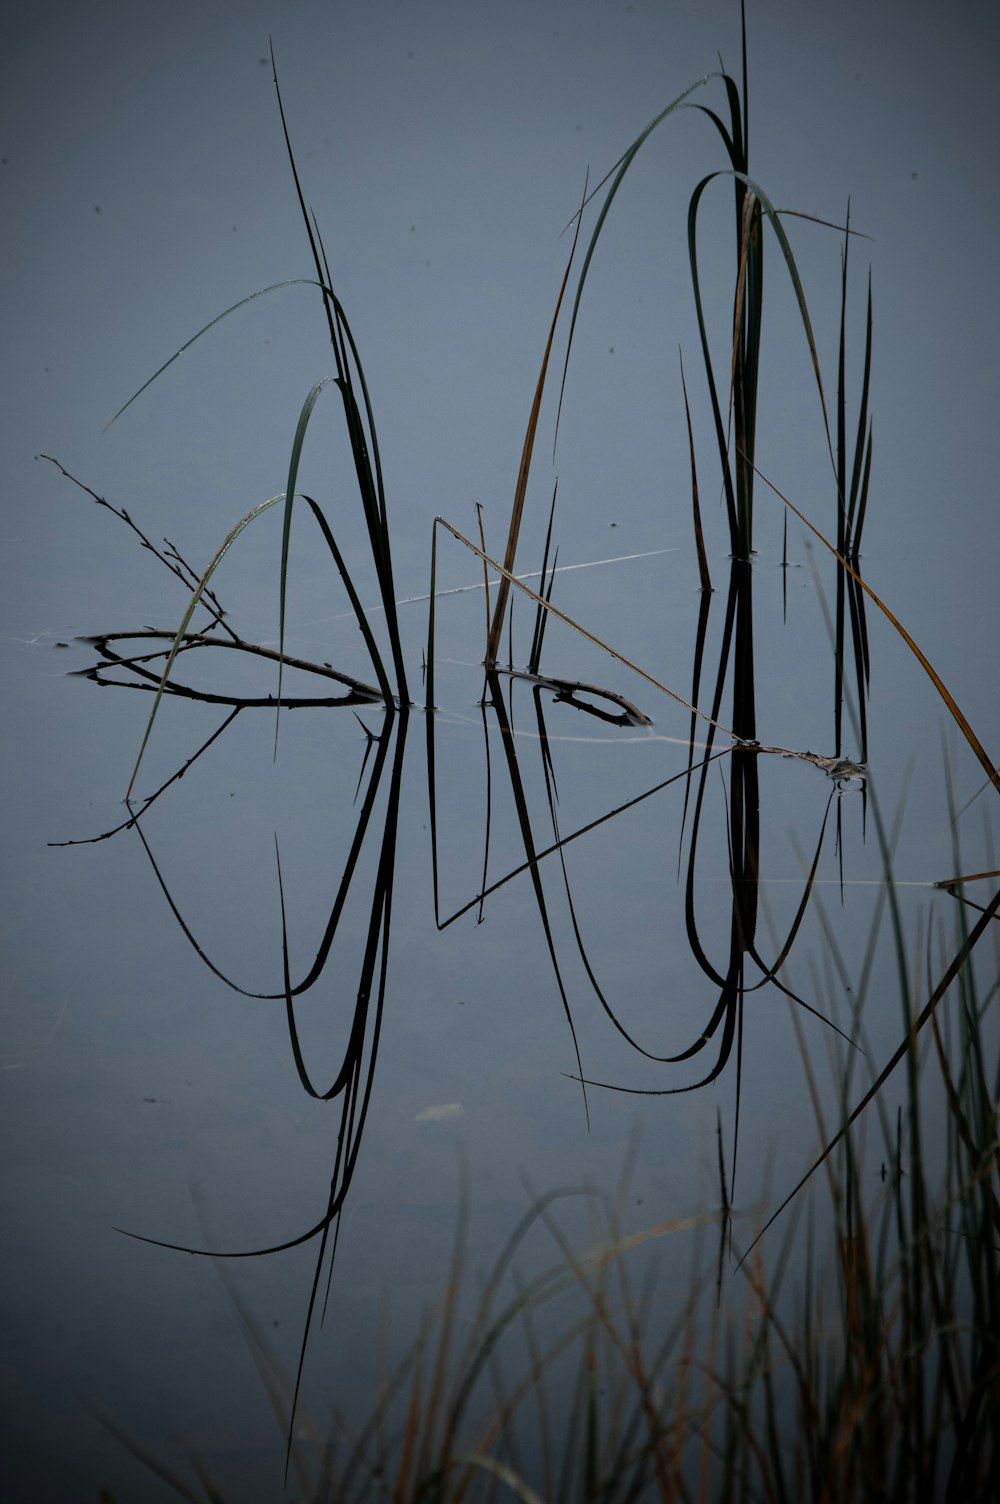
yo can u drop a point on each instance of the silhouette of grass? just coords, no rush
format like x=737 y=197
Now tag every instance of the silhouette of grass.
x=878 y=1378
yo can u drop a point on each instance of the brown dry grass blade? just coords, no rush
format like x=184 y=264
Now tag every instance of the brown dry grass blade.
x=925 y=663
x=969 y=877
x=493 y=641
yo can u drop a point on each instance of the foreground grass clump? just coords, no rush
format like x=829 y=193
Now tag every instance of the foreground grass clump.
x=876 y=1377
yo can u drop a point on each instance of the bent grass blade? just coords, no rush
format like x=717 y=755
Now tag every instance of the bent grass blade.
x=773 y=217
x=273 y=287
x=618 y=171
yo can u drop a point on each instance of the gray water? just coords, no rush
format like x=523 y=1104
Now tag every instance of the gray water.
x=444 y=151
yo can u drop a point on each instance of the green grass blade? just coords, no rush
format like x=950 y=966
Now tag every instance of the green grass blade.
x=727 y=140
x=376 y=462
x=314 y=245
x=274 y=287
x=863 y=499
x=842 y=524
x=775 y=221
x=746 y=82
x=800 y=297
x=618 y=172
x=720 y=432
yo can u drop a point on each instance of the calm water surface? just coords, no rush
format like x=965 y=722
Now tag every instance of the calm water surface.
x=152 y=1083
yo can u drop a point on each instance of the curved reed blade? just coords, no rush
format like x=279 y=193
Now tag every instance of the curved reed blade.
x=357 y=1072
x=690 y=918
x=364 y=448
x=618 y=171
x=286 y=526
x=699 y=537
x=842 y=525
x=315 y=244
x=502 y=1472
x=274 y=287
x=732 y=137
x=863 y=497
x=368 y=466
x=747 y=327
x=728 y=1013
x=355 y=1077
x=382 y=744
x=774 y=218
x=738 y=524
x=721 y=435
x=488 y=815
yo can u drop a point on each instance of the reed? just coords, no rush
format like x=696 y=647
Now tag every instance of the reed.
x=359 y=420
x=734 y=406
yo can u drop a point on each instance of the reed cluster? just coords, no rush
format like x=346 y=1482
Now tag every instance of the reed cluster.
x=867 y=1367
x=855 y=1356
